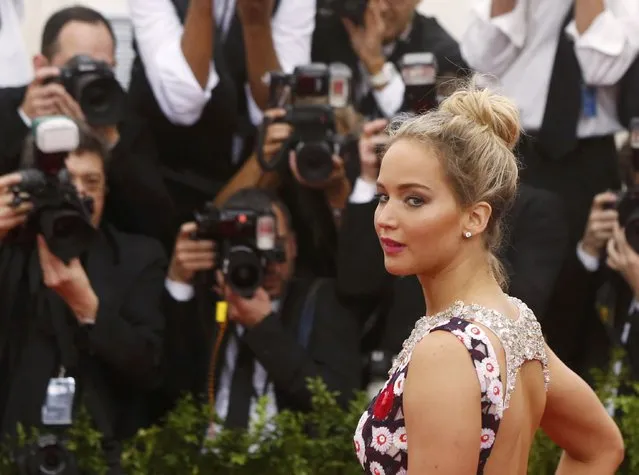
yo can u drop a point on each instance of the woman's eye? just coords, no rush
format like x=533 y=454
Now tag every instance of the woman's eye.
x=414 y=201
x=381 y=197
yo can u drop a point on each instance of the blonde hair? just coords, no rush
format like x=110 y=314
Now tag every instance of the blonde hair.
x=474 y=132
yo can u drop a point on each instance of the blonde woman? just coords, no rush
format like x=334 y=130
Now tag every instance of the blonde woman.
x=475 y=379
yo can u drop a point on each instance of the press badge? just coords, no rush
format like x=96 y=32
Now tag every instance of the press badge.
x=589 y=101
x=57 y=409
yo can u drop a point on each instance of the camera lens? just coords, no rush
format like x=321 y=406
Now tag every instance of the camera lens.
x=65 y=226
x=315 y=161
x=244 y=273
x=101 y=99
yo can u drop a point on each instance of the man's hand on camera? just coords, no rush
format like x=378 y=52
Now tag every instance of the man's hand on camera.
x=372 y=138
x=601 y=224
x=10 y=216
x=70 y=282
x=337 y=176
x=49 y=99
x=623 y=258
x=276 y=134
x=190 y=256
x=248 y=312
x=368 y=40
x=255 y=12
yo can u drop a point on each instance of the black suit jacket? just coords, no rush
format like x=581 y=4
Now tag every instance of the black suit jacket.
x=332 y=44
x=138 y=200
x=332 y=352
x=115 y=361
x=533 y=252
x=587 y=316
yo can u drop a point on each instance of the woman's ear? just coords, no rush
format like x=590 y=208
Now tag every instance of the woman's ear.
x=477 y=218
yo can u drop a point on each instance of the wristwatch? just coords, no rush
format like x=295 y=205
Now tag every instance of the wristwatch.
x=385 y=76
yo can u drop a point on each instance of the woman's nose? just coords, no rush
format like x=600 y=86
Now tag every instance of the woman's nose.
x=385 y=217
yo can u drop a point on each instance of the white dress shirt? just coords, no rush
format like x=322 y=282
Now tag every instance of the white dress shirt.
x=261 y=384
x=158 y=33
x=15 y=64
x=518 y=50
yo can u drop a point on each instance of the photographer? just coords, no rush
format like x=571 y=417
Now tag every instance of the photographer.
x=281 y=331
x=74 y=77
x=198 y=79
x=595 y=307
x=532 y=252
x=304 y=155
x=81 y=302
x=373 y=38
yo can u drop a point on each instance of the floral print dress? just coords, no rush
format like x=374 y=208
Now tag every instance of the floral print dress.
x=381 y=444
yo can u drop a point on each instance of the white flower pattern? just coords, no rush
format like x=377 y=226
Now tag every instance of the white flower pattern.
x=400 y=439
x=382 y=439
x=376 y=469
x=487 y=438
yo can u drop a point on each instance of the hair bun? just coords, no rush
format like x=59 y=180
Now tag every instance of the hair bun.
x=498 y=113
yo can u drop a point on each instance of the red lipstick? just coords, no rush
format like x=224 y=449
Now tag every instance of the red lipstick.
x=391 y=247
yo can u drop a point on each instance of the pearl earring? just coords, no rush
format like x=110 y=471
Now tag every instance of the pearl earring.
x=468 y=234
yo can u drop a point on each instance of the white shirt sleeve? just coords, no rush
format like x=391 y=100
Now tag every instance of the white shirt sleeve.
x=611 y=43
x=292 y=28
x=363 y=192
x=590 y=263
x=25 y=118
x=178 y=290
x=158 y=34
x=391 y=97
x=491 y=45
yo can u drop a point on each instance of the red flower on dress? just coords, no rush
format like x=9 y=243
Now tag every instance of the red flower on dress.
x=383 y=403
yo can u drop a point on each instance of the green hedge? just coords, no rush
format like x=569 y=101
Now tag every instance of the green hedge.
x=280 y=446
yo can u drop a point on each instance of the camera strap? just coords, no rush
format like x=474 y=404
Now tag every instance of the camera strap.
x=307 y=319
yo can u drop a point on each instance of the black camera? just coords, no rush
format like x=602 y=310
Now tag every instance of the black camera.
x=59 y=213
x=313 y=91
x=246 y=243
x=354 y=10
x=419 y=72
x=94 y=87
x=47 y=456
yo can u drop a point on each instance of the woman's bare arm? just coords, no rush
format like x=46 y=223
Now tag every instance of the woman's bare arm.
x=577 y=421
x=442 y=408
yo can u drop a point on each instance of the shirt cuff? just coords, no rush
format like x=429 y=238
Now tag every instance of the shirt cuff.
x=391 y=97
x=363 y=192
x=179 y=291
x=590 y=263
x=511 y=24
x=605 y=35
x=183 y=99
x=25 y=118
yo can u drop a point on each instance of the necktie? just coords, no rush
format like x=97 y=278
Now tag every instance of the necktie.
x=558 y=133
x=241 y=388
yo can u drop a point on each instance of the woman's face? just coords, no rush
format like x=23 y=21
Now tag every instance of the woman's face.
x=418 y=219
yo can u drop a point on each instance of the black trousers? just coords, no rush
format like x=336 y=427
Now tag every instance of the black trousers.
x=590 y=169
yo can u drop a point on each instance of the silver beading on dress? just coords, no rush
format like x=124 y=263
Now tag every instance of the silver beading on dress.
x=521 y=339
